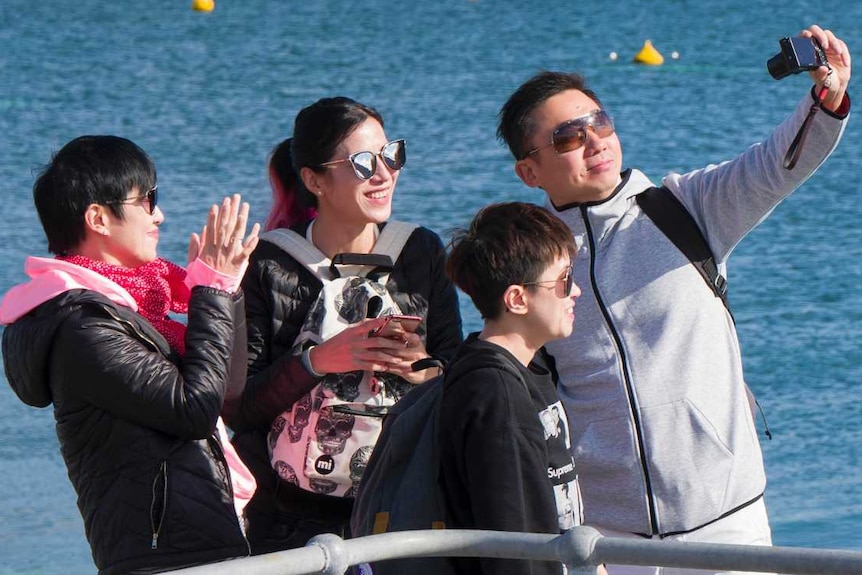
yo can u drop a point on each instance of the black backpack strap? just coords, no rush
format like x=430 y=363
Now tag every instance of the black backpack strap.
x=382 y=264
x=675 y=222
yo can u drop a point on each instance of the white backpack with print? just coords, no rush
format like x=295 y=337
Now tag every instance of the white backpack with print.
x=322 y=444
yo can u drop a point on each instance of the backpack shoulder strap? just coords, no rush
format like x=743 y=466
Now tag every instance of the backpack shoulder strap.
x=392 y=239
x=390 y=242
x=301 y=250
x=675 y=222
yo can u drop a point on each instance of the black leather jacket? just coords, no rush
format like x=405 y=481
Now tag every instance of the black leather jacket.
x=279 y=292
x=136 y=423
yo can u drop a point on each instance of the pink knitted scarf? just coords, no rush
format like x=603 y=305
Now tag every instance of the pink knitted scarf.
x=157 y=287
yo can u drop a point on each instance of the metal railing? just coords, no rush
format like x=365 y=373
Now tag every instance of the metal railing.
x=580 y=549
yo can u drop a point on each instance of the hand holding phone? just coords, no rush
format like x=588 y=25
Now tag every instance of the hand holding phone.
x=397 y=324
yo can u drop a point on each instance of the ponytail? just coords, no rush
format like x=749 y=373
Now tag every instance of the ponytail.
x=291 y=202
x=318 y=130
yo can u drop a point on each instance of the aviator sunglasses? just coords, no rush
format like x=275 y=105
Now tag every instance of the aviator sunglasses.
x=572 y=134
x=393 y=154
x=151 y=199
x=568 y=281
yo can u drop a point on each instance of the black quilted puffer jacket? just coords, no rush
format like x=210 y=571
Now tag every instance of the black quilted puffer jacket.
x=136 y=423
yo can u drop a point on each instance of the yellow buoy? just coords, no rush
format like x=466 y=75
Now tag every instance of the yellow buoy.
x=203 y=5
x=649 y=55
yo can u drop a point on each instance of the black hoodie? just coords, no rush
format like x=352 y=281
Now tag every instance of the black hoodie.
x=505 y=457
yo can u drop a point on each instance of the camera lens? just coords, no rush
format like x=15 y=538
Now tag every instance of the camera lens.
x=778 y=67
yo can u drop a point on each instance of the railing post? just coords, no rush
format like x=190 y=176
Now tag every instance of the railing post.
x=337 y=556
x=575 y=549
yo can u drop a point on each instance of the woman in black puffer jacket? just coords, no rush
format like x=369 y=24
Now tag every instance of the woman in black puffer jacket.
x=136 y=395
x=340 y=202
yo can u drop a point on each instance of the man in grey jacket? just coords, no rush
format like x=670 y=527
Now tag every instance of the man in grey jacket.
x=662 y=430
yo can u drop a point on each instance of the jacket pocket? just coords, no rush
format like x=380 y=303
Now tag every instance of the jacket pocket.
x=159 y=503
x=691 y=463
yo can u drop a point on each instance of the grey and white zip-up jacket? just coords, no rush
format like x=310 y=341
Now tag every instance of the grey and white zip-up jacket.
x=664 y=438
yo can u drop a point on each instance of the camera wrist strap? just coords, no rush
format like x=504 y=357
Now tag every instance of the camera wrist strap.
x=792 y=155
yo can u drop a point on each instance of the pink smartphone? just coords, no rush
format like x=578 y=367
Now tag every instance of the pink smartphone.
x=395 y=323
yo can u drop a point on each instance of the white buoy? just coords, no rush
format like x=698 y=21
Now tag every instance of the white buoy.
x=674 y=55
x=613 y=56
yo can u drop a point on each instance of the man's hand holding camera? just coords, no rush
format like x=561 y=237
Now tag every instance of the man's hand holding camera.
x=836 y=80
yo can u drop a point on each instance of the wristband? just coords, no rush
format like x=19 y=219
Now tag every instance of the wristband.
x=427 y=363
x=305 y=359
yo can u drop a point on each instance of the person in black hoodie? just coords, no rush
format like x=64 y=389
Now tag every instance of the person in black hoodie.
x=503 y=465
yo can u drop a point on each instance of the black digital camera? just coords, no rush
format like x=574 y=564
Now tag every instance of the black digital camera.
x=797 y=55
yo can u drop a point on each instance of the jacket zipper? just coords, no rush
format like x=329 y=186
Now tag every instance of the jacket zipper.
x=164 y=466
x=625 y=374
x=157 y=527
x=135 y=329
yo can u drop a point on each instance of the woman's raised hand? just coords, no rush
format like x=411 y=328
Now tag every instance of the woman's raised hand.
x=223 y=244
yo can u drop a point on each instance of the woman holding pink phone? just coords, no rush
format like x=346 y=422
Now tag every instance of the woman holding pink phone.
x=397 y=327
x=333 y=183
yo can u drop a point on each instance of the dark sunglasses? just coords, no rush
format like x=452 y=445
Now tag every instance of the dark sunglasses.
x=393 y=154
x=568 y=281
x=149 y=200
x=572 y=134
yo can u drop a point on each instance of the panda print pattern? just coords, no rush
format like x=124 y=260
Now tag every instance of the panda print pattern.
x=360 y=299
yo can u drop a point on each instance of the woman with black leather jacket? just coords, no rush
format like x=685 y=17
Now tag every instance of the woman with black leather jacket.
x=136 y=394
x=333 y=183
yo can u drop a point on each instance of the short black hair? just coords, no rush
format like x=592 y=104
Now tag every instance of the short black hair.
x=515 y=118
x=506 y=244
x=87 y=170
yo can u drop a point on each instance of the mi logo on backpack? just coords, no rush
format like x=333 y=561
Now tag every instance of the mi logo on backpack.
x=324 y=465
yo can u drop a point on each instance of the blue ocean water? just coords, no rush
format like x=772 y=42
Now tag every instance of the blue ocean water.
x=208 y=95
